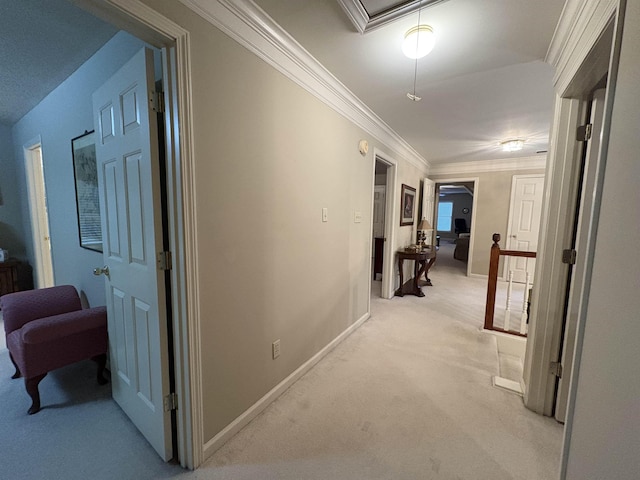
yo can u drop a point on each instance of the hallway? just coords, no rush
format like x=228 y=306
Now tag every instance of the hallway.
x=408 y=395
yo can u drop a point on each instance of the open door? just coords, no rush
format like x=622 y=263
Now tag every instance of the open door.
x=581 y=238
x=36 y=188
x=129 y=189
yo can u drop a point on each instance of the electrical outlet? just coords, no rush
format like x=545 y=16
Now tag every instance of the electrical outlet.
x=357 y=217
x=275 y=349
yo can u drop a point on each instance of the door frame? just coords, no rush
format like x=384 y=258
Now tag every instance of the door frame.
x=38 y=213
x=388 y=289
x=474 y=208
x=575 y=285
x=580 y=52
x=142 y=21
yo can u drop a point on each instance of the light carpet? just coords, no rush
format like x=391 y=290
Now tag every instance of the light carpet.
x=406 y=396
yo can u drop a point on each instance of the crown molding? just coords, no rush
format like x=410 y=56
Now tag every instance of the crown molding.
x=250 y=26
x=579 y=27
x=483 y=166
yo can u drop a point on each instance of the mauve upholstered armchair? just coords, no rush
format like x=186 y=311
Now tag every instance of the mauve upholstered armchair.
x=48 y=329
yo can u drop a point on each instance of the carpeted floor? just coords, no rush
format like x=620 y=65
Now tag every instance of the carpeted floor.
x=406 y=396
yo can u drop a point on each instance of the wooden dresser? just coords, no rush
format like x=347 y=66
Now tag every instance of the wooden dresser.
x=9 y=276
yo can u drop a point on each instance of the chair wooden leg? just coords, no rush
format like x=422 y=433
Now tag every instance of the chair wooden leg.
x=17 y=374
x=32 y=389
x=101 y=360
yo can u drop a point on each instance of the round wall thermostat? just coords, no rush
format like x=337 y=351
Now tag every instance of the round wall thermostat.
x=363 y=146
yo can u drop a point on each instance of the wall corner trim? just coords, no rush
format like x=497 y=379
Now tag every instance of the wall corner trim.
x=254 y=410
x=250 y=26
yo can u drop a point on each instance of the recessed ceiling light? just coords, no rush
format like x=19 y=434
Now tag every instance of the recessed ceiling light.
x=418 y=41
x=512 y=145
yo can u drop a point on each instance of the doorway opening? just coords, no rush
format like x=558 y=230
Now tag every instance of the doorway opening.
x=384 y=191
x=171 y=40
x=379 y=211
x=34 y=168
x=454 y=216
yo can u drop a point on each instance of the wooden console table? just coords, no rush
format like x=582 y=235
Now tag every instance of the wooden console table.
x=422 y=263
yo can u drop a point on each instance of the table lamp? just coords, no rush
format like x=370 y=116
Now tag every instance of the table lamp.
x=423 y=226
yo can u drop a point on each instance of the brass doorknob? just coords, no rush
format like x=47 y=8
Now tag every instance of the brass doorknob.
x=101 y=271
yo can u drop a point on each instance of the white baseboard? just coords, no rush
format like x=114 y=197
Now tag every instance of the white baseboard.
x=478 y=275
x=252 y=412
x=506 y=384
x=513 y=345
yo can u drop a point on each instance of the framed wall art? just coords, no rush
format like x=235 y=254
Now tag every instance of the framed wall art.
x=85 y=172
x=407 y=205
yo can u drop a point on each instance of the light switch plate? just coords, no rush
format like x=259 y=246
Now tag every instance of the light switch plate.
x=325 y=214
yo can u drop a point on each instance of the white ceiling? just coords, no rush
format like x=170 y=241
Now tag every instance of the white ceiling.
x=484 y=82
x=42 y=42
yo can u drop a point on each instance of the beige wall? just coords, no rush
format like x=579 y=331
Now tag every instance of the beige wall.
x=493 y=191
x=269 y=157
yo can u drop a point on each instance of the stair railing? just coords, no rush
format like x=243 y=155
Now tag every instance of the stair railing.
x=494 y=261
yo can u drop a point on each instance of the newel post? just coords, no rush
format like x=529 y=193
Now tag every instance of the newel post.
x=494 y=260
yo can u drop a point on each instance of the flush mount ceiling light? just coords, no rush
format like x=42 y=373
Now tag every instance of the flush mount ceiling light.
x=418 y=41
x=512 y=145
x=417 y=46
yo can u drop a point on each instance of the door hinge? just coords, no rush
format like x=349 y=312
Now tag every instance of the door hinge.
x=165 y=261
x=157 y=101
x=569 y=256
x=170 y=402
x=556 y=369
x=584 y=132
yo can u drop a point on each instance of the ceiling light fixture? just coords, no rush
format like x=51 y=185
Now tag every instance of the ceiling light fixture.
x=418 y=41
x=512 y=145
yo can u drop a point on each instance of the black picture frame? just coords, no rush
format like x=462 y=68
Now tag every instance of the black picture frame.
x=407 y=205
x=85 y=174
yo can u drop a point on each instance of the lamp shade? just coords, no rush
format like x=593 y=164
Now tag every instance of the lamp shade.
x=424 y=225
x=418 y=41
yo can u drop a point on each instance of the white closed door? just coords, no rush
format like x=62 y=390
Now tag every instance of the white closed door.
x=129 y=189
x=524 y=223
x=428 y=206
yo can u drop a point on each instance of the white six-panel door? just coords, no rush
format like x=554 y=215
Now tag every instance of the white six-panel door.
x=524 y=223
x=129 y=187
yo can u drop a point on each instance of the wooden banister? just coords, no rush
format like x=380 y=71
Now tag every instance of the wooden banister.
x=494 y=262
